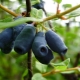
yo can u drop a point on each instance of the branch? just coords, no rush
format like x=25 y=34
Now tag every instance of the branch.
x=37 y=21
x=61 y=14
x=59 y=71
x=48 y=18
x=9 y=11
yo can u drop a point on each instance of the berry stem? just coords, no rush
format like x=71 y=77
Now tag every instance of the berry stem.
x=45 y=27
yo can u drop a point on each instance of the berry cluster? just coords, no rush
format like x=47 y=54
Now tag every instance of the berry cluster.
x=24 y=37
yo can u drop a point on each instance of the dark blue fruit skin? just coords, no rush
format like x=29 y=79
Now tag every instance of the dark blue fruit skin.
x=17 y=29
x=6 y=39
x=7 y=49
x=55 y=42
x=23 y=42
x=45 y=59
x=39 y=5
x=39 y=46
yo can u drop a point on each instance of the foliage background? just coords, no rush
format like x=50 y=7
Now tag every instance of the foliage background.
x=14 y=66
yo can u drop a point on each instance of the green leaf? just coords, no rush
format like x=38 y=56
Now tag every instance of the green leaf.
x=38 y=76
x=74 y=13
x=61 y=66
x=67 y=6
x=58 y=1
x=33 y=2
x=24 y=74
x=36 y=13
x=41 y=67
x=21 y=58
x=8 y=19
x=79 y=69
x=17 y=22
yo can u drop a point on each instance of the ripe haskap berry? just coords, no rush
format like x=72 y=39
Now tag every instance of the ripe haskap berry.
x=39 y=5
x=55 y=42
x=45 y=59
x=39 y=46
x=17 y=29
x=24 y=40
x=9 y=35
x=6 y=38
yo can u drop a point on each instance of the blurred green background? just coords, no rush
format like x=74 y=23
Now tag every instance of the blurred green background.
x=14 y=66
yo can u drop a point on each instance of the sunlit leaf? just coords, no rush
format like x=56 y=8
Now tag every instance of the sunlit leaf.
x=61 y=66
x=41 y=67
x=58 y=1
x=17 y=22
x=38 y=76
x=67 y=6
x=36 y=13
x=79 y=69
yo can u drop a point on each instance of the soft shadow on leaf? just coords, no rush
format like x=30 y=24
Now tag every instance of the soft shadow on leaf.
x=8 y=19
x=24 y=74
x=33 y=2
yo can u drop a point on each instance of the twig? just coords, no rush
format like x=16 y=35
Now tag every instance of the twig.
x=9 y=11
x=48 y=18
x=59 y=71
x=61 y=14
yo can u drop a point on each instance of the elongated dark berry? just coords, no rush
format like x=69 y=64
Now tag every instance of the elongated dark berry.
x=6 y=38
x=55 y=42
x=39 y=46
x=45 y=59
x=24 y=40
